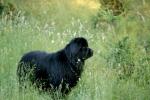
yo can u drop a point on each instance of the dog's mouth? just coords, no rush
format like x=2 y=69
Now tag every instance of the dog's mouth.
x=88 y=54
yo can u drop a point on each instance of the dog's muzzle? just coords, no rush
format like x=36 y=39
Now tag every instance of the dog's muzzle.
x=90 y=52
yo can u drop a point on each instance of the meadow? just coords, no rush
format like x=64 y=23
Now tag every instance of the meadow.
x=120 y=67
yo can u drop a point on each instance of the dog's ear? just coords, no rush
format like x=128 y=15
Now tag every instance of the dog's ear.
x=71 y=51
x=74 y=49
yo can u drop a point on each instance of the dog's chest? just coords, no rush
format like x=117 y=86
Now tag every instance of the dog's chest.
x=71 y=77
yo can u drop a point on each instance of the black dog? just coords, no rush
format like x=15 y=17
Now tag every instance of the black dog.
x=54 y=70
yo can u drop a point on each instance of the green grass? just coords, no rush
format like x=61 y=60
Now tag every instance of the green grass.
x=119 y=69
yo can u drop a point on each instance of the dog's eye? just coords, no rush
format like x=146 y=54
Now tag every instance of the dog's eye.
x=83 y=48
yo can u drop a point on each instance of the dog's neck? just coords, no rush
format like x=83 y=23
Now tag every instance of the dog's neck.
x=76 y=63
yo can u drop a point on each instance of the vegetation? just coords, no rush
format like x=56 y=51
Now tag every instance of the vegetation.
x=120 y=67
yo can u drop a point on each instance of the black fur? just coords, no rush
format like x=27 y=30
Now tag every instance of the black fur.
x=55 y=70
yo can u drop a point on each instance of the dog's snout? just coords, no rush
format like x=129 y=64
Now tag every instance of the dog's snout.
x=90 y=52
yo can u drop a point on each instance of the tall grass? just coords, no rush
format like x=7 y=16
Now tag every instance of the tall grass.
x=119 y=69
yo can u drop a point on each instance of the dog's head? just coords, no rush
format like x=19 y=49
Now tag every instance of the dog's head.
x=78 y=51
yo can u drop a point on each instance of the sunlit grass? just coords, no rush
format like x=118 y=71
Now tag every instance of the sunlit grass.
x=90 y=4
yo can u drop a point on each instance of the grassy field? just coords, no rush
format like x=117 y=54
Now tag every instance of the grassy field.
x=120 y=67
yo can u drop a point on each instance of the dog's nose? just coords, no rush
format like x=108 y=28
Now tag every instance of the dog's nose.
x=91 y=52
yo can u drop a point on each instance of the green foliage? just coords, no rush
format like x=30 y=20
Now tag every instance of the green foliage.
x=116 y=6
x=121 y=58
x=142 y=72
x=103 y=19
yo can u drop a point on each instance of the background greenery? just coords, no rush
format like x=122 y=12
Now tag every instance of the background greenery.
x=120 y=67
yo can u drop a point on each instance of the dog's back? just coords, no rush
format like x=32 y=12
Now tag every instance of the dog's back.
x=27 y=64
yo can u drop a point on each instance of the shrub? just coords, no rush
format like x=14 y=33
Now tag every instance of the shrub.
x=116 y=6
x=121 y=58
x=141 y=74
